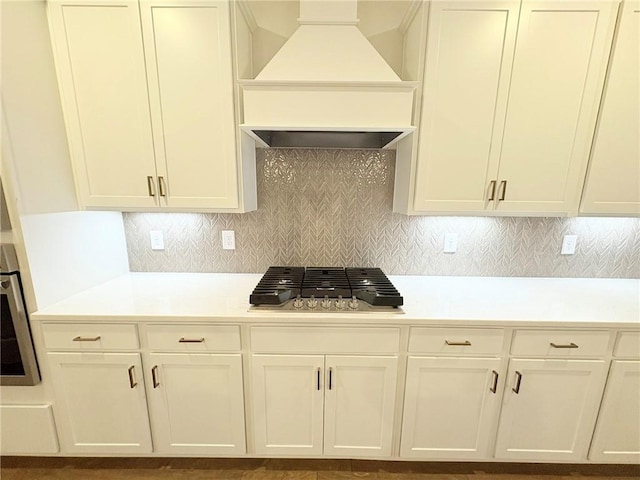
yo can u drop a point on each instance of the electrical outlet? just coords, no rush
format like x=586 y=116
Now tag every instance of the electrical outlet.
x=450 y=243
x=569 y=244
x=157 y=240
x=228 y=240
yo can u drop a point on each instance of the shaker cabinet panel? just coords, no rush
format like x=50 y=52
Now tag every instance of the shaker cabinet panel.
x=101 y=405
x=288 y=402
x=468 y=63
x=100 y=63
x=613 y=181
x=196 y=403
x=549 y=409
x=188 y=54
x=451 y=407
x=617 y=435
x=359 y=405
x=556 y=84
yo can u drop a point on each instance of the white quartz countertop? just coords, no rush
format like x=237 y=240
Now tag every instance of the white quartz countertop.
x=427 y=300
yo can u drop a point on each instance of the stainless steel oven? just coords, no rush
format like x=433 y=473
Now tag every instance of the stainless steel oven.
x=18 y=365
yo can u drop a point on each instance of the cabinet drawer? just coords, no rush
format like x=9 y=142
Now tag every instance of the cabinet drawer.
x=90 y=336
x=568 y=343
x=627 y=345
x=459 y=341
x=307 y=340
x=220 y=338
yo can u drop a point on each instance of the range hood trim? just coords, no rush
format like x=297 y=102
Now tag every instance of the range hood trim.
x=403 y=132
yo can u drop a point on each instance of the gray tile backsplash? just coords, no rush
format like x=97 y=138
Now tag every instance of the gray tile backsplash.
x=333 y=208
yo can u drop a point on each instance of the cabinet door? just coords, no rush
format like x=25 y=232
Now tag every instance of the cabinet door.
x=556 y=84
x=188 y=52
x=468 y=64
x=451 y=407
x=613 y=181
x=617 y=436
x=360 y=399
x=100 y=402
x=196 y=403
x=549 y=409
x=100 y=64
x=288 y=400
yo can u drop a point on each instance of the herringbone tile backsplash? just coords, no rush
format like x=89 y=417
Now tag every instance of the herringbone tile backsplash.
x=333 y=208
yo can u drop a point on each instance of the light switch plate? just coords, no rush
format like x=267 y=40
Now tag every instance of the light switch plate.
x=569 y=244
x=450 y=242
x=228 y=240
x=157 y=240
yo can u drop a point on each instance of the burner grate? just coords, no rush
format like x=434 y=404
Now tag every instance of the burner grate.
x=319 y=281
x=373 y=286
x=281 y=284
x=278 y=285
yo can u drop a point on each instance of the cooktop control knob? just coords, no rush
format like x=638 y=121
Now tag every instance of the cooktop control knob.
x=312 y=302
x=353 y=303
x=298 y=303
x=325 y=303
x=340 y=303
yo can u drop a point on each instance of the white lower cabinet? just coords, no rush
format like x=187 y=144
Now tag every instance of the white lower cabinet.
x=196 y=403
x=338 y=405
x=451 y=407
x=101 y=403
x=549 y=409
x=617 y=435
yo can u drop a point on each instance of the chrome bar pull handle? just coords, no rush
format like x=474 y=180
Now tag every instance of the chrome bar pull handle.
x=86 y=339
x=569 y=345
x=466 y=343
x=191 y=340
x=492 y=191
x=152 y=192
x=330 y=378
x=161 y=188
x=132 y=380
x=503 y=190
x=494 y=386
x=318 y=379
x=516 y=389
x=154 y=376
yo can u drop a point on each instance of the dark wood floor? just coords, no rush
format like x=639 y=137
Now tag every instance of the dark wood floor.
x=35 y=468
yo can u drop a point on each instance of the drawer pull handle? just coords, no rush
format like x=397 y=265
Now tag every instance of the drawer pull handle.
x=191 y=340
x=516 y=389
x=161 y=187
x=492 y=190
x=330 y=378
x=503 y=190
x=466 y=343
x=154 y=376
x=494 y=387
x=86 y=339
x=318 y=378
x=152 y=192
x=570 y=345
x=132 y=380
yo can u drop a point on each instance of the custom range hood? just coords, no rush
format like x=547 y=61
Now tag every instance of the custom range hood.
x=327 y=87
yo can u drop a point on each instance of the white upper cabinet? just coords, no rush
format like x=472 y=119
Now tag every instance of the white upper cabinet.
x=556 y=84
x=510 y=97
x=613 y=181
x=100 y=64
x=469 y=53
x=149 y=104
x=188 y=54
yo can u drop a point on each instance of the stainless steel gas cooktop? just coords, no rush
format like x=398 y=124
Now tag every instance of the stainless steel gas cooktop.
x=320 y=289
